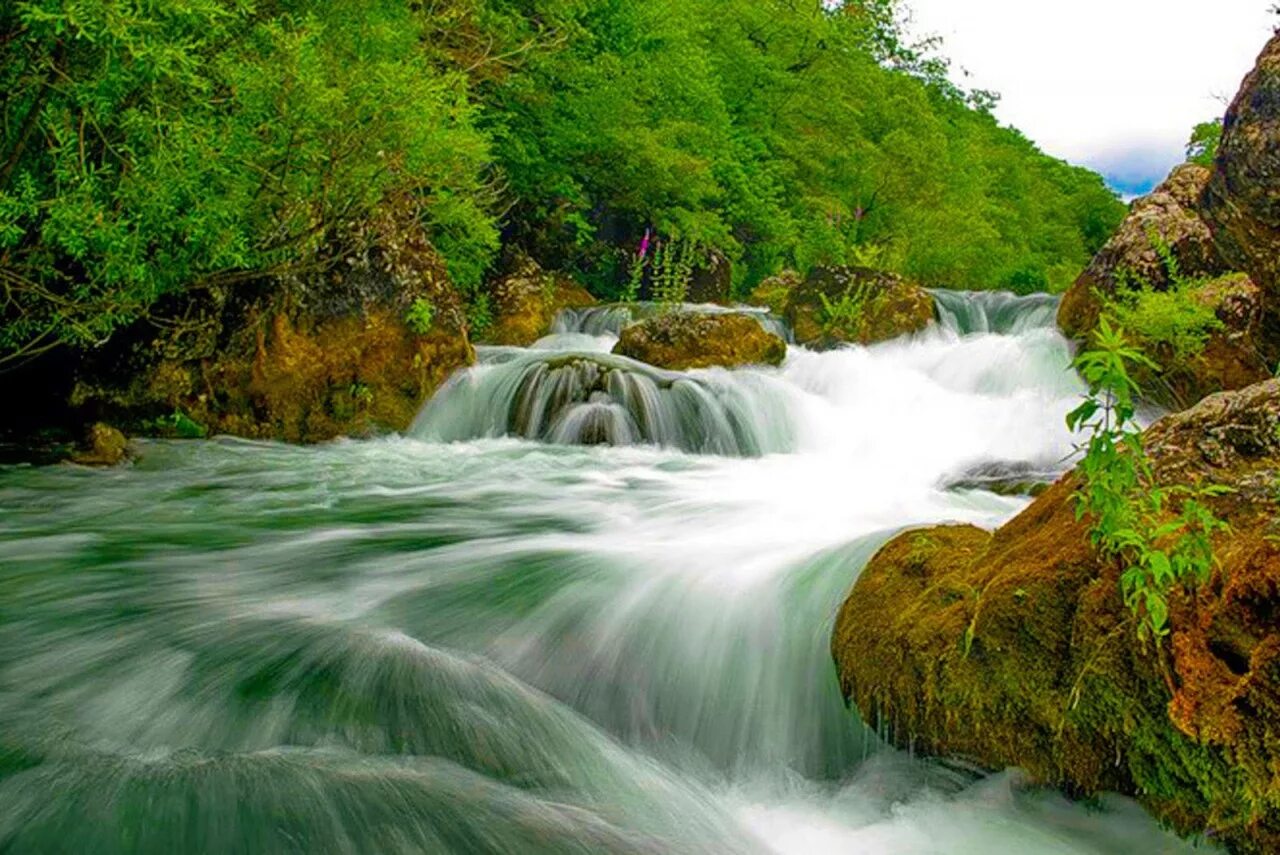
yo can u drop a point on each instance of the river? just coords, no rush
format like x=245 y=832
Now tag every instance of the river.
x=581 y=606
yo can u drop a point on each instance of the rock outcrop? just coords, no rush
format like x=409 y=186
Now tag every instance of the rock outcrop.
x=303 y=360
x=1221 y=228
x=1170 y=215
x=854 y=305
x=1242 y=201
x=679 y=341
x=1014 y=648
x=526 y=302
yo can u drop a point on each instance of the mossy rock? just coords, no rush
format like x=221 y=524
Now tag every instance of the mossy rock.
x=885 y=306
x=679 y=341
x=1014 y=648
x=1169 y=214
x=526 y=302
x=301 y=359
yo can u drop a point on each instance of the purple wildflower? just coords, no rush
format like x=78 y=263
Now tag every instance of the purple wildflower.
x=644 y=245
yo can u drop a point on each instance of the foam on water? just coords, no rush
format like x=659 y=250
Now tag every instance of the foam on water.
x=469 y=640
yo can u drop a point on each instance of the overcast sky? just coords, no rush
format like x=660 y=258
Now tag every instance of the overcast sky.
x=1113 y=84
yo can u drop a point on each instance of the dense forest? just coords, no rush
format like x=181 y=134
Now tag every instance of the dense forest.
x=151 y=148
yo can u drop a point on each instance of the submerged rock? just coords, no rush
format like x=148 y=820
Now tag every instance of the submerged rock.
x=855 y=305
x=1014 y=648
x=103 y=446
x=527 y=301
x=681 y=340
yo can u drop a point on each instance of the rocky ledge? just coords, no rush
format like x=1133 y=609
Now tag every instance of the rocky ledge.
x=1014 y=648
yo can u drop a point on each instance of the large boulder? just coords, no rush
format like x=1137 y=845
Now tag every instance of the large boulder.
x=855 y=305
x=353 y=350
x=1242 y=201
x=1169 y=215
x=526 y=302
x=679 y=341
x=1014 y=648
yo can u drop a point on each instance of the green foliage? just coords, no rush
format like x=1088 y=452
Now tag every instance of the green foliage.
x=1173 y=321
x=180 y=425
x=1202 y=148
x=420 y=316
x=782 y=135
x=848 y=312
x=149 y=148
x=1162 y=535
x=480 y=315
x=672 y=271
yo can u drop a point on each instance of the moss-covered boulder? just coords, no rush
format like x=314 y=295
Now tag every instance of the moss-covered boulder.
x=103 y=445
x=1214 y=234
x=1014 y=648
x=1169 y=216
x=855 y=305
x=1237 y=350
x=773 y=292
x=679 y=341
x=526 y=301
x=353 y=350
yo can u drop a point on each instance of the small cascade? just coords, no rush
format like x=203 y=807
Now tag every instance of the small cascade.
x=602 y=399
x=998 y=312
x=610 y=319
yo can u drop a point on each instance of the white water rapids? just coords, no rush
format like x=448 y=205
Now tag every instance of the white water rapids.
x=478 y=638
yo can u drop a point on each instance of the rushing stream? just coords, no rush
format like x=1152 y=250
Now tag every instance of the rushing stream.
x=503 y=634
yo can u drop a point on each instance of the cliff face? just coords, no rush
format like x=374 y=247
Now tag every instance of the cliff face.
x=1015 y=648
x=1217 y=226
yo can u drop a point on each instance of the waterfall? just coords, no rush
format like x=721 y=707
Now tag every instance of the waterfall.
x=610 y=319
x=999 y=312
x=584 y=607
x=602 y=399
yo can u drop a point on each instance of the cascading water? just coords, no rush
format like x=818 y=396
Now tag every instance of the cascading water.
x=497 y=645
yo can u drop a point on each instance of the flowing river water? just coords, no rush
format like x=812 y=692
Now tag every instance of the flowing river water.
x=502 y=634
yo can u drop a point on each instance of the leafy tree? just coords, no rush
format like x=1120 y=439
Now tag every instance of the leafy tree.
x=1202 y=148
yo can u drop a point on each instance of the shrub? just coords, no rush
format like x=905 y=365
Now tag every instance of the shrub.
x=1161 y=535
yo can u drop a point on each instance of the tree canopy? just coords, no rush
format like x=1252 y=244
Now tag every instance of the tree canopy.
x=150 y=148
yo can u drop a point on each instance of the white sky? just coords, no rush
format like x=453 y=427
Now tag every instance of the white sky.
x=1113 y=84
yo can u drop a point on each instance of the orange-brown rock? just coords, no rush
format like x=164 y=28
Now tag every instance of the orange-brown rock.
x=301 y=360
x=679 y=341
x=1169 y=215
x=526 y=302
x=1014 y=648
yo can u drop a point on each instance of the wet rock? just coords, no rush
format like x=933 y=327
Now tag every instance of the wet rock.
x=1004 y=478
x=679 y=341
x=526 y=302
x=855 y=305
x=103 y=446
x=1014 y=648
